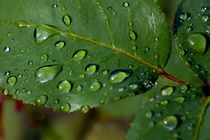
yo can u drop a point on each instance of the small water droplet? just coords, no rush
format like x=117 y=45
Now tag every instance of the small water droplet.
x=170 y=122
x=7 y=73
x=133 y=36
x=91 y=69
x=67 y=20
x=42 y=33
x=79 y=88
x=60 y=44
x=118 y=76
x=121 y=89
x=55 y=6
x=64 y=86
x=197 y=42
x=165 y=102
x=79 y=55
x=105 y=72
x=5 y=91
x=6 y=49
x=125 y=4
x=95 y=86
x=133 y=86
x=41 y=100
x=11 y=81
x=47 y=73
x=205 y=18
x=167 y=91
x=65 y=107
x=181 y=52
x=203 y=9
x=184 y=88
x=44 y=57
x=85 y=109
x=179 y=99
x=183 y=16
x=149 y=114
x=28 y=92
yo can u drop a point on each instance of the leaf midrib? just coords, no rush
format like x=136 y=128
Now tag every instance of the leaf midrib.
x=81 y=37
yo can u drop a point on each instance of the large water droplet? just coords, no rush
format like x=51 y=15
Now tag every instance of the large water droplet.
x=42 y=33
x=91 y=69
x=60 y=44
x=65 y=107
x=11 y=81
x=47 y=73
x=79 y=55
x=67 y=20
x=170 y=122
x=197 y=42
x=95 y=86
x=167 y=91
x=118 y=76
x=41 y=100
x=64 y=86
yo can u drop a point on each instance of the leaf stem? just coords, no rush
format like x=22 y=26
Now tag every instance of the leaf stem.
x=170 y=77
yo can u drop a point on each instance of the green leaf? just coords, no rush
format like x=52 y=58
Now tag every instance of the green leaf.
x=192 y=31
x=76 y=54
x=174 y=113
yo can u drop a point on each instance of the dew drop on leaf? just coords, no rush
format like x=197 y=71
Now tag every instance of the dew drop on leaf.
x=125 y=4
x=133 y=36
x=197 y=42
x=95 y=86
x=6 y=49
x=65 y=107
x=85 y=109
x=47 y=73
x=118 y=76
x=167 y=91
x=184 y=88
x=59 y=44
x=42 y=33
x=11 y=81
x=170 y=122
x=67 y=20
x=64 y=86
x=79 y=55
x=179 y=99
x=149 y=114
x=44 y=57
x=165 y=102
x=41 y=100
x=91 y=69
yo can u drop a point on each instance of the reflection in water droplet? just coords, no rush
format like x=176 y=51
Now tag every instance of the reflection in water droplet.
x=118 y=76
x=167 y=91
x=67 y=20
x=42 y=33
x=91 y=69
x=95 y=86
x=64 y=86
x=65 y=107
x=41 y=100
x=170 y=122
x=11 y=81
x=47 y=73
x=79 y=55
x=197 y=42
x=60 y=44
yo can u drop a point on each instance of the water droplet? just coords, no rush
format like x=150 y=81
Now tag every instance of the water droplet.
x=179 y=99
x=5 y=91
x=85 y=109
x=133 y=86
x=91 y=69
x=41 y=100
x=28 y=92
x=184 y=88
x=42 y=33
x=205 y=18
x=47 y=73
x=64 y=86
x=118 y=76
x=125 y=4
x=197 y=42
x=170 y=122
x=44 y=57
x=60 y=44
x=95 y=86
x=203 y=9
x=79 y=88
x=11 y=81
x=105 y=72
x=6 y=49
x=165 y=102
x=67 y=20
x=121 y=89
x=133 y=36
x=183 y=16
x=149 y=114
x=55 y=6
x=167 y=91
x=181 y=52
x=7 y=73
x=79 y=55
x=65 y=107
